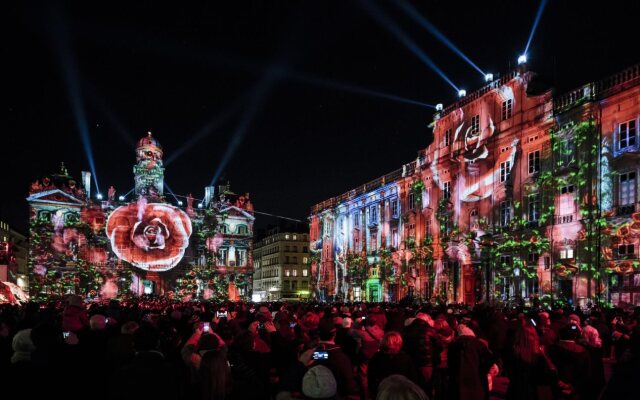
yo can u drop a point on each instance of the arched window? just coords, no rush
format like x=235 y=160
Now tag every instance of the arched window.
x=242 y=230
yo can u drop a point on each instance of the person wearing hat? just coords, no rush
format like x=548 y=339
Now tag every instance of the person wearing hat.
x=74 y=316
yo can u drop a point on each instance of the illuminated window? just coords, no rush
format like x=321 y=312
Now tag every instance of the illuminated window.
x=412 y=201
x=534 y=162
x=295 y=237
x=426 y=200
x=287 y=272
x=394 y=237
x=566 y=254
x=373 y=214
x=504 y=170
x=447 y=137
x=475 y=124
x=507 y=108
x=412 y=230
x=627 y=134
x=242 y=230
x=446 y=191
x=505 y=213
x=294 y=272
x=305 y=272
x=394 y=208
x=473 y=220
x=242 y=257
x=534 y=207
x=627 y=190
x=356 y=219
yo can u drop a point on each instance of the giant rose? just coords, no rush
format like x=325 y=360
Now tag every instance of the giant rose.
x=151 y=236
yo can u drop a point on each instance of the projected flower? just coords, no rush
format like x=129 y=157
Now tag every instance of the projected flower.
x=153 y=238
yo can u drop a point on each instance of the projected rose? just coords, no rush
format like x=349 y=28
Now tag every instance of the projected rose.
x=150 y=236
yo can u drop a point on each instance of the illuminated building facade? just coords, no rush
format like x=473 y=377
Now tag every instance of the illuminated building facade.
x=140 y=245
x=13 y=256
x=519 y=195
x=281 y=267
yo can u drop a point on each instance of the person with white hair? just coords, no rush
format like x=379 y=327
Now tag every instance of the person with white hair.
x=590 y=340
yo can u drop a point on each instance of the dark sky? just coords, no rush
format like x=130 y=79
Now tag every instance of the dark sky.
x=137 y=66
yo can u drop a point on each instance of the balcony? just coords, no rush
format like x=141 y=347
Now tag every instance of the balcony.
x=563 y=219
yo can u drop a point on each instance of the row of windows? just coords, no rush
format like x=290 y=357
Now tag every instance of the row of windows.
x=294 y=249
x=294 y=272
x=507 y=112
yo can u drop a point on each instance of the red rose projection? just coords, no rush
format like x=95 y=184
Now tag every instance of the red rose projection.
x=152 y=236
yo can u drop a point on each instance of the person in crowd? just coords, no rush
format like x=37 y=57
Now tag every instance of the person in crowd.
x=390 y=360
x=590 y=340
x=624 y=381
x=531 y=377
x=74 y=316
x=398 y=387
x=216 y=382
x=469 y=361
x=148 y=375
x=573 y=364
x=120 y=349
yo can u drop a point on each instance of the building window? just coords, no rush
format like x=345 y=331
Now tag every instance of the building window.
x=627 y=134
x=566 y=151
x=286 y=236
x=305 y=272
x=287 y=272
x=285 y=285
x=242 y=258
x=394 y=208
x=505 y=260
x=286 y=248
x=295 y=259
x=394 y=238
x=474 y=224
x=626 y=250
x=426 y=200
x=356 y=242
x=305 y=260
x=412 y=230
x=534 y=207
x=566 y=253
x=356 y=219
x=505 y=213
x=532 y=259
x=294 y=285
x=504 y=170
x=373 y=241
x=305 y=249
x=294 y=272
x=446 y=191
x=627 y=190
x=534 y=162
x=447 y=137
x=412 y=200
x=286 y=259
x=567 y=189
x=373 y=214
x=475 y=124
x=242 y=230
x=294 y=249
x=427 y=227
x=507 y=109
x=295 y=237
x=222 y=259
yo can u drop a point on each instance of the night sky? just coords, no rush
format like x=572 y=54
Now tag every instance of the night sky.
x=273 y=70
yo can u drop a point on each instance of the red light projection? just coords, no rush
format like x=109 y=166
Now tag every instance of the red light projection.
x=151 y=236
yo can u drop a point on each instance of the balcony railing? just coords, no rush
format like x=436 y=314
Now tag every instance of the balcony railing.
x=563 y=219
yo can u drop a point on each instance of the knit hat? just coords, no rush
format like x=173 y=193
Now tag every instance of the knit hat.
x=22 y=346
x=426 y=318
x=319 y=383
x=464 y=330
x=575 y=319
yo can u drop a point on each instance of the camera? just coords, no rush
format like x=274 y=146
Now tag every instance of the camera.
x=292 y=325
x=320 y=355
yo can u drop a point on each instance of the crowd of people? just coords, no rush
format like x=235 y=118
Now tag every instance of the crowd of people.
x=161 y=349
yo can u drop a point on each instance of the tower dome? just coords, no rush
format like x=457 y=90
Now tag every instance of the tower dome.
x=148 y=171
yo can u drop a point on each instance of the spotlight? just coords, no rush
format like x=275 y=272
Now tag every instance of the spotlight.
x=99 y=196
x=462 y=93
x=439 y=107
x=488 y=77
x=179 y=202
x=522 y=59
x=121 y=198
x=199 y=205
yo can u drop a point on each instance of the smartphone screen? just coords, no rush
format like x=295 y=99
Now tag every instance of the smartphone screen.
x=320 y=355
x=206 y=327
x=65 y=334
